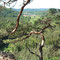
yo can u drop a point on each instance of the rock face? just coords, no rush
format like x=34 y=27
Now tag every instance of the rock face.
x=6 y=56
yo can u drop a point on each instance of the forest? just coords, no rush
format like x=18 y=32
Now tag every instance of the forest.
x=25 y=43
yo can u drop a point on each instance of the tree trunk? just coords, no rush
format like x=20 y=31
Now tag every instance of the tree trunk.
x=41 y=53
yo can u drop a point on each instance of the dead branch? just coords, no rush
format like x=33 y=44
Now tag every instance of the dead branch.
x=6 y=2
x=32 y=52
x=18 y=17
x=40 y=48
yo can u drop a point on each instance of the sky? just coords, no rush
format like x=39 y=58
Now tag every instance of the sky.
x=40 y=4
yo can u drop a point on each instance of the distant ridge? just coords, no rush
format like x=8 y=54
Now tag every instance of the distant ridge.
x=39 y=9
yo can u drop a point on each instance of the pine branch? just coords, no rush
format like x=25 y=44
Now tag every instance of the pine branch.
x=19 y=15
x=32 y=32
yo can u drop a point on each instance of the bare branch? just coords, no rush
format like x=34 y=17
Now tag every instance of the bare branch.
x=41 y=46
x=33 y=52
x=6 y=2
x=43 y=40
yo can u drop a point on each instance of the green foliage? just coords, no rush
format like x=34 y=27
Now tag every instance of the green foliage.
x=27 y=24
x=54 y=58
x=52 y=11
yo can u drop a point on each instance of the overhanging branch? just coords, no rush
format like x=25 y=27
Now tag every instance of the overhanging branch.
x=20 y=13
x=32 y=32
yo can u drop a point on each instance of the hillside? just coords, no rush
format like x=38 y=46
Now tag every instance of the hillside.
x=30 y=10
x=4 y=12
x=32 y=21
